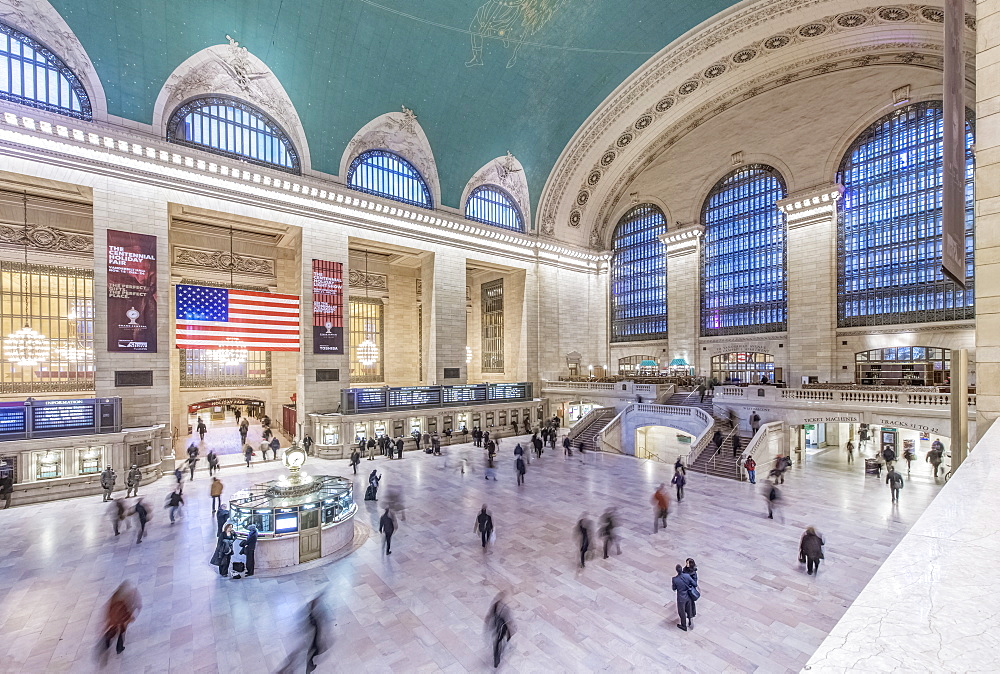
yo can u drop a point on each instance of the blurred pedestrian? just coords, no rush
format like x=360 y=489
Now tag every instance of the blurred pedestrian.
x=6 y=488
x=567 y=446
x=213 y=462
x=754 y=422
x=192 y=460
x=119 y=511
x=224 y=550
x=678 y=480
x=751 y=468
x=394 y=500
x=263 y=447
x=679 y=465
x=132 y=481
x=661 y=503
x=895 y=482
x=908 y=456
x=119 y=614
x=500 y=626
x=850 y=452
x=249 y=548
x=935 y=456
x=108 y=479
x=737 y=445
x=174 y=502
x=491 y=469
x=216 y=493
x=772 y=496
x=275 y=446
x=584 y=536
x=315 y=627
x=221 y=517
x=811 y=550
x=519 y=465
x=141 y=511
x=247 y=453
x=609 y=527
x=387 y=525
x=484 y=525
x=355 y=460
x=717 y=440
x=685 y=588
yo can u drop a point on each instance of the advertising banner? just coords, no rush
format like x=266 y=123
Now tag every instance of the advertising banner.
x=328 y=307
x=131 y=292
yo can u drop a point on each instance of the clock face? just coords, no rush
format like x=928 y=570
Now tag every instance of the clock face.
x=295 y=457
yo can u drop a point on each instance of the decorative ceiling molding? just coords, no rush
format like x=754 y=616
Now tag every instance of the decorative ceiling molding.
x=674 y=104
x=48 y=239
x=398 y=132
x=223 y=261
x=39 y=20
x=360 y=279
x=506 y=173
x=231 y=70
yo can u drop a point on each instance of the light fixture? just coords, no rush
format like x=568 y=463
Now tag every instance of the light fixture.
x=233 y=353
x=75 y=353
x=26 y=347
x=367 y=351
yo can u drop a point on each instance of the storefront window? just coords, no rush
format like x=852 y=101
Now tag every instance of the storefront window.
x=903 y=366
x=743 y=368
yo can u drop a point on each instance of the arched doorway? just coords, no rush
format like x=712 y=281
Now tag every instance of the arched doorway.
x=661 y=443
x=221 y=418
x=744 y=368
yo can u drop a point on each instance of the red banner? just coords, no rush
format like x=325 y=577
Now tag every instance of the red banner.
x=131 y=292
x=328 y=307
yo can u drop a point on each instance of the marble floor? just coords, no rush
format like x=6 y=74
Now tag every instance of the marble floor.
x=421 y=609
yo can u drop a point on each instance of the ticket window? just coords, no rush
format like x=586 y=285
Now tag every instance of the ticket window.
x=48 y=464
x=432 y=424
x=90 y=460
x=462 y=421
x=477 y=420
x=513 y=417
x=502 y=418
x=489 y=419
x=329 y=434
x=360 y=432
x=449 y=423
x=397 y=428
x=380 y=428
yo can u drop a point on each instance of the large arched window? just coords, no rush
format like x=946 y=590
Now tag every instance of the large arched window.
x=639 y=276
x=743 y=257
x=32 y=75
x=491 y=205
x=889 y=243
x=388 y=175
x=233 y=128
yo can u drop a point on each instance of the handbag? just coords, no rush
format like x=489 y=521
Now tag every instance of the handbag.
x=694 y=592
x=802 y=557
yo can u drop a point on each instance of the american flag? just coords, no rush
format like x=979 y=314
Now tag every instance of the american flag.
x=209 y=318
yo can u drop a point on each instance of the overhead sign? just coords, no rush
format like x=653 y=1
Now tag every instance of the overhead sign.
x=131 y=292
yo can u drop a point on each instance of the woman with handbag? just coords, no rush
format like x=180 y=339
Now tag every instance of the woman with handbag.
x=224 y=550
x=811 y=550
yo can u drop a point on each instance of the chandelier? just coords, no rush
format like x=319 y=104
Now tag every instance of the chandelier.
x=75 y=353
x=367 y=352
x=232 y=354
x=26 y=347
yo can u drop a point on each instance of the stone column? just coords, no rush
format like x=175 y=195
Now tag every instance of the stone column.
x=811 y=264
x=987 y=271
x=683 y=250
x=443 y=293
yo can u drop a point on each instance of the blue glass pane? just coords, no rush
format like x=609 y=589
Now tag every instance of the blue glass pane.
x=743 y=256
x=889 y=234
x=386 y=174
x=233 y=128
x=491 y=205
x=32 y=75
x=639 y=276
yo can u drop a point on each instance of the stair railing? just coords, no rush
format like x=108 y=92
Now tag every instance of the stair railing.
x=591 y=417
x=760 y=440
x=718 y=450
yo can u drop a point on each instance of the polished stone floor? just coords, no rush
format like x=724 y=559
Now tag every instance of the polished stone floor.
x=421 y=609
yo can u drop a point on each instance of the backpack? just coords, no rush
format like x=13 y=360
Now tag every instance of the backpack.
x=897 y=481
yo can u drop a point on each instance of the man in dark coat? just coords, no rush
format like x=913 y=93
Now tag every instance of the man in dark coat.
x=811 y=548
x=387 y=525
x=895 y=482
x=142 y=512
x=484 y=525
x=682 y=584
x=519 y=465
x=249 y=547
x=6 y=488
x=221 y=517
x=399 y=447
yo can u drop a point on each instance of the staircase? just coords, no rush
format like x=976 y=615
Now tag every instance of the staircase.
x=690 y=399
x=725 y=464
x=589 y=428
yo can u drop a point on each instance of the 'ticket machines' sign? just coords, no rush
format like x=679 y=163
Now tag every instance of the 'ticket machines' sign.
x=328 y=307
x=131 y=292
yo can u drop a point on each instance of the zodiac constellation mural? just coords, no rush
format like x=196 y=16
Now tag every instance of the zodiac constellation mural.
x=511 y=22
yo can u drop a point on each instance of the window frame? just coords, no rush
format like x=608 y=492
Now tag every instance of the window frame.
x=650 y=255
x=358 y=332
x=276 y=131
x=508 y=203
x=361 y=159
x=52 y=63
x=491 y=319
x=883 y=254
x=762 y=310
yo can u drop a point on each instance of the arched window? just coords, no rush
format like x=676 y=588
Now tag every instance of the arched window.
x=491 y=205
x=743 y=256
x=233 y=128
x=32 y=75
x=889 y=243
x=386 y=174
x=639 y=276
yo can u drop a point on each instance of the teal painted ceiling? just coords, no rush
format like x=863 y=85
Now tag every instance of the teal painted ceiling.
x=344 y=62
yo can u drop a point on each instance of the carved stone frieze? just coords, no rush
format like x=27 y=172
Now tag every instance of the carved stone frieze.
x=652 y=78
x=223 y=261
x=48 y=239
x=359 y=279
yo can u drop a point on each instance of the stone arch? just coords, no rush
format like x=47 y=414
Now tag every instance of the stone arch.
x=231 y=70
x=507 y=173
x=39 y=20
x=398 y=132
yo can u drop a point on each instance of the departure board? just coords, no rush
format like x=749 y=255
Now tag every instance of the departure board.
x=58 y=415
x=369 y=398
x=414 y=396
x=508 y=391
x=12 y=418
x=459 y=394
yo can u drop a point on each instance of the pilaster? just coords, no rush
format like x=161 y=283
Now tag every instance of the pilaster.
x=683 y=251
x=811 y=264
x=444 y=274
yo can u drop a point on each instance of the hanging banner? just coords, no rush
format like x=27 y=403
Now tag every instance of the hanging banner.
x=131 y=292
x=328 y=307
x=953 y=153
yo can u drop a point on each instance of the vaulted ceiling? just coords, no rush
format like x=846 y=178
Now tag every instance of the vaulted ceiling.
x=544 y=66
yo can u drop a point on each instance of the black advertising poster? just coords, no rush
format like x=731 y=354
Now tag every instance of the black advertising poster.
x=131 y=292
x=328 y=308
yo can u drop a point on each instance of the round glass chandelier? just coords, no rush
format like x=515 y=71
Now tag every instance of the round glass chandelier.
x=367 y=352
x=26 y=347
x=232 y=354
